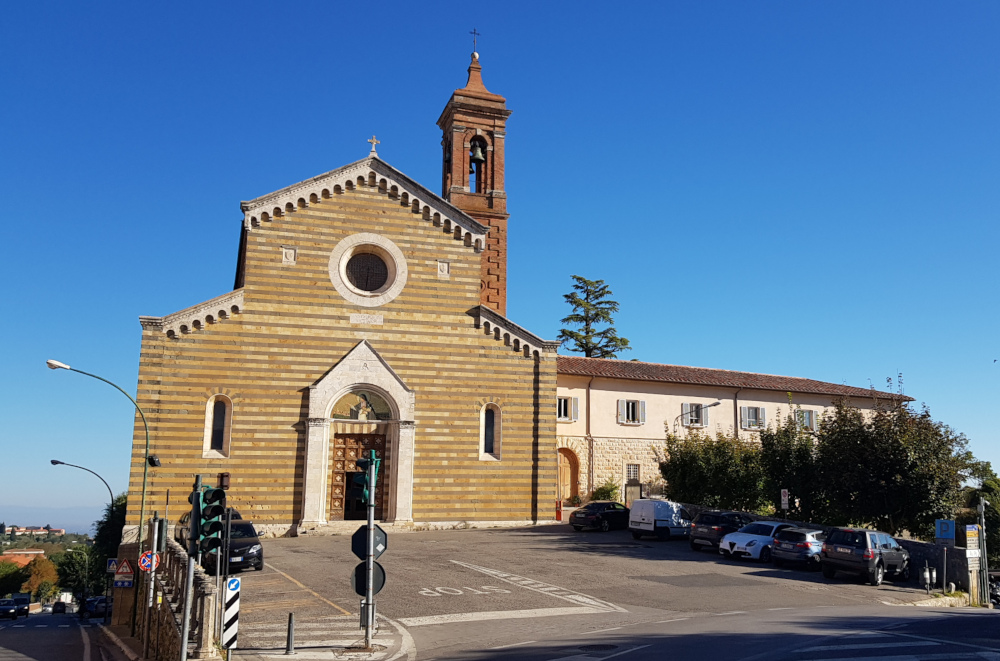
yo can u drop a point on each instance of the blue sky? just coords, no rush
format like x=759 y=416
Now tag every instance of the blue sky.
x=807 y=189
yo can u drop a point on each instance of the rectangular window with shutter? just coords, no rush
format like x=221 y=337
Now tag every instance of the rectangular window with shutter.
x=568 y=409
x=752 y=417
x=631 y=471
x=631 y=411
x=806 y=419
x=694 y=415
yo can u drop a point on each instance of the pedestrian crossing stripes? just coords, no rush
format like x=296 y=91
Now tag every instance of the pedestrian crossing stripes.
x=886 y=646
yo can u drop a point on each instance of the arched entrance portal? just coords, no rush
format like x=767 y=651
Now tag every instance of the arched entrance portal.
x=359 y=428
x=569 y=474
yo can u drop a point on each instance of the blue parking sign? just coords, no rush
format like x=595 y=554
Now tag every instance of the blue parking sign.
x=944 y=529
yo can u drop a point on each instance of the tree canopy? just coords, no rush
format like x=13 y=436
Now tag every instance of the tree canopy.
x=894 y=469
x=592 y=308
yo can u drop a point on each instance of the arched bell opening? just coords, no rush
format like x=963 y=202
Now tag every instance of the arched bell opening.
x=477 y=165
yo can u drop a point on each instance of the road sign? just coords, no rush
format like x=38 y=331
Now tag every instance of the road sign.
x=359 y=542
x=112 y=565
x=358 y=578
x=149 y=560
x=231 y=614
x=123 y=584
x=784 y=499
x=124 y=571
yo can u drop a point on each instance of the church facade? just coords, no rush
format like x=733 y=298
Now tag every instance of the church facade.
x=368 y=316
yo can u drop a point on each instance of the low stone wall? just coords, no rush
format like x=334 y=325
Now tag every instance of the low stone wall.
x=922 y=553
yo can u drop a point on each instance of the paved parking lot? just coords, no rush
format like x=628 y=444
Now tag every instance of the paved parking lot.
x=539 y=574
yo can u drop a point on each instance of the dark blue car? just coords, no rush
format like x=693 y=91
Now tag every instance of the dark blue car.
x=798 y=545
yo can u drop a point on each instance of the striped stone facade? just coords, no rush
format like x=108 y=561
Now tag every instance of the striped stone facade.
x=285 y=346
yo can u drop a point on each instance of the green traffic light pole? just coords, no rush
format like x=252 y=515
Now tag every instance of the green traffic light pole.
x=56 y=365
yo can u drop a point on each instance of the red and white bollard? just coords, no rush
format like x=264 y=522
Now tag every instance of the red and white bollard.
x=558 y=509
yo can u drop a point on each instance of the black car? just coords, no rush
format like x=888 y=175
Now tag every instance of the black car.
x=710 y=526
x=871 y=554
x=601 y=514
x=59 y=607
x=23 y=605
x=8 y=609
x=245 y=549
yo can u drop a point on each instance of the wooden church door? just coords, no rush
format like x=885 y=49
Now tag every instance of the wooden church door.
x=346 y=499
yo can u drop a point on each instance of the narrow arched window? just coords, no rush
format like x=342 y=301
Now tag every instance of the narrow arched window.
x=489 y=427
x=218 y=424
x=490 y=432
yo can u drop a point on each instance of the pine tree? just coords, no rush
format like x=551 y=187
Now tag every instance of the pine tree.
x=591 y=308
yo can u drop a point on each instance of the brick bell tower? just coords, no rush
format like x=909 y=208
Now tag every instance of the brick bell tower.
x=474 y=127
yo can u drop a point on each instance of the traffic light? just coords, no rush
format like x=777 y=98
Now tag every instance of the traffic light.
x=361 y=481
x=210 y=526
x=193 y=535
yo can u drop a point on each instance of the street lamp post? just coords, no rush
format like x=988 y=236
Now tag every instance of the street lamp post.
x=56 y=365
x=56 y=462
x=700 y=408
x=86 y=580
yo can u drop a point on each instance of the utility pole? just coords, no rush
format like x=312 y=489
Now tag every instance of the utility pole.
x=984 y=567
x=369 y=562
x=192 y=549
x=152 y=580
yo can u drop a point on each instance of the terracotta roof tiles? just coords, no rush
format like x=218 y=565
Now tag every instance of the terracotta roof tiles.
x=705 y=376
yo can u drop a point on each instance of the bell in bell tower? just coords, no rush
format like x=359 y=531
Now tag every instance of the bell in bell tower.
x=474 y=127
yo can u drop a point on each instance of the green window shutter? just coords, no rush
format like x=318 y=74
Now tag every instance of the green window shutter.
x=685 y=414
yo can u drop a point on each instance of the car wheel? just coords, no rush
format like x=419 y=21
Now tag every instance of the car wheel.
x=605 y=525
x=829 y=572
x=813 y=565
x=778 y=562
x=694 y=546
x=636 y=534
x=259 y=567
x=876 y=576
x=765 y=554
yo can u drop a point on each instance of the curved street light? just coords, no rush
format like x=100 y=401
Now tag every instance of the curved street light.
x=56 y=462
x=56 y=365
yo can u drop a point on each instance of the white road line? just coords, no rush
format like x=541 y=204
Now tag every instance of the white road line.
x=864 y=646
x=785 y=608
x=544 y=588
x=86 y=644
x=503 y=647
x=680 y=619
x=21 y=626
x=946 y=642
x=587 y=657
x=733 y=613
x=498 y=615
x=603 y=630
x=64 y=626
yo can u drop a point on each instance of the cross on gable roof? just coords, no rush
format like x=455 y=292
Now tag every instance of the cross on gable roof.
x=371 y=171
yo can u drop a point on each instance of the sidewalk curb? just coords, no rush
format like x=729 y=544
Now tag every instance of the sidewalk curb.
x=944 y=602
x=120 y=643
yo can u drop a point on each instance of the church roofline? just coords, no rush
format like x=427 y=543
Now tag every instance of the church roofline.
x=505 y=330
x=197 y=316
x=387 y=178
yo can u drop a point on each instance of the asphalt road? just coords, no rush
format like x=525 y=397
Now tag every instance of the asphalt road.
x=52 y=637
x=548 y=593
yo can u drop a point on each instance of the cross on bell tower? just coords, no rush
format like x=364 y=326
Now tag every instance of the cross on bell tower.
x=473 y=124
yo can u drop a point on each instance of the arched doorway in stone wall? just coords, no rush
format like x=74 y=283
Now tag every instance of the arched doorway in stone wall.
x=569 y=474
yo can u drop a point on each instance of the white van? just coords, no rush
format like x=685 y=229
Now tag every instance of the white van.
x=662 y=518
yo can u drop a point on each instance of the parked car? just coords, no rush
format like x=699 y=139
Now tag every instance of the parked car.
x=245 y=549
x=661 y=518
x=96 y=606
x=710 y=526
x=8 y=609
x=799 y=545
x=46 y=608
x=23 y=605
x=871 y=554
x=601 y=514
x=752 y=541
x=59 y=607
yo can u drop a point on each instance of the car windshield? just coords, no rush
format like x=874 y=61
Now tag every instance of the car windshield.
x=764 y=529
x=242 y=530
x=708 y=519
x=595 y=507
